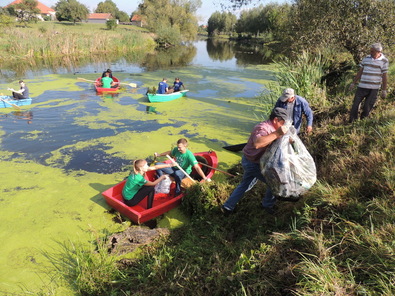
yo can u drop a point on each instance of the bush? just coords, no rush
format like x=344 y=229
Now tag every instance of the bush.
x=111 y=24
x=168 y=36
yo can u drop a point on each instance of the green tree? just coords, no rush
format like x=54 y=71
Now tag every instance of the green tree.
x=109 y=6
x=25 y=11
x=349 y=24
x=171 y=16
x=221 y=23
x=71 y=10
x=122 y=16
x=271 y=18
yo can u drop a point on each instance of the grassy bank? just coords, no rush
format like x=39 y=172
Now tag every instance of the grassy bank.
x=50 y=41
x=336 y=240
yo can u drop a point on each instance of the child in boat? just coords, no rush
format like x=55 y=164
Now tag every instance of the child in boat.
x=178 y=84
x=107 y=81
x=137 y=187
x=185 y=159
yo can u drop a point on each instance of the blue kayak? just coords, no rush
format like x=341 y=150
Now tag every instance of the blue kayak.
x=9 y=102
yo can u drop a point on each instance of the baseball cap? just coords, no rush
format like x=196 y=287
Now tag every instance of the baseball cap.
x=280 y=113
x=287 y=93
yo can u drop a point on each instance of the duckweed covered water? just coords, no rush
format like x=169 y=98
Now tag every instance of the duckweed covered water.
x=71 y=144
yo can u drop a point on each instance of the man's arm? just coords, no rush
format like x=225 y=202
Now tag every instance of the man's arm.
x=384 y=86
x=264 y=141
x=309 y=115
x=356 y=78
x=200 y=172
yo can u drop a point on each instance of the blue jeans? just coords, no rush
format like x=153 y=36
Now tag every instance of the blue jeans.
x=251 y=170
x=177 y=174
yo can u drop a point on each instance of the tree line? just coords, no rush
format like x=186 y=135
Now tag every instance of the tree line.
x=344 y=25
x=66 y=10
x=299 y=25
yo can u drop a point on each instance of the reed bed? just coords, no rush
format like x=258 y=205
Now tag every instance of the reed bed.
x=58 y=41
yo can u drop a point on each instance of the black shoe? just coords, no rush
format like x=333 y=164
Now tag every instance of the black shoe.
x=225 y=211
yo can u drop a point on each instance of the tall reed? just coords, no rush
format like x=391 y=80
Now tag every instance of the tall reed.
x=57 y=42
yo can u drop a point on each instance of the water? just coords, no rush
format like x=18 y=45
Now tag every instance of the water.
x=71 y=144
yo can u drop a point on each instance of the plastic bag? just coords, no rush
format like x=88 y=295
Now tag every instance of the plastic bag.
x=288 y=167
x=163 y=186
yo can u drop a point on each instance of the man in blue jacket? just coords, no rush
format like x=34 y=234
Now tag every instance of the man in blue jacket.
x=296 y=106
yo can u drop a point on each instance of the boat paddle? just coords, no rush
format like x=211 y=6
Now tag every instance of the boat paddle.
x=180 y=168
x=216 y=169
x=130 y=84
x=13 y=105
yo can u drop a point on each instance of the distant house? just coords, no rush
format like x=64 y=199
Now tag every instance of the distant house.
x=137 y=20
x=44 y=10
x=99 y=18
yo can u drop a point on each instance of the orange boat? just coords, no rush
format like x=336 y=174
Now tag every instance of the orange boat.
x=100 y=89
x=162 y=202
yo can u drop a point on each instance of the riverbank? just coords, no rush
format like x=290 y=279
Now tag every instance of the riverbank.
x=51 y=41
x=336 y=240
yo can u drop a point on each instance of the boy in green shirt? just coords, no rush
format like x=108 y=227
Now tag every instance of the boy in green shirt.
x=185 y=159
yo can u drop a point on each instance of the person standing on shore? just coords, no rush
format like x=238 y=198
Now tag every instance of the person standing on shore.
x=371 y=75
x=260 y=139
x=296 y=106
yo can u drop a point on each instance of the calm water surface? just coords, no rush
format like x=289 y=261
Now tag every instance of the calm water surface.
x=71 y=144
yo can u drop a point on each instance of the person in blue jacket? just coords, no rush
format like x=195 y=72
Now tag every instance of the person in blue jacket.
x=163 y=87
x=296 y=106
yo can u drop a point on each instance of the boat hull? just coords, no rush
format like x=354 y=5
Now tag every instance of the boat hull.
x=100 y=89
x=162 y=202
x=158 y=98
x=11 y=100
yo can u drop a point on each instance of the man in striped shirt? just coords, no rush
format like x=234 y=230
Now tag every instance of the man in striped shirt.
x=371 y=75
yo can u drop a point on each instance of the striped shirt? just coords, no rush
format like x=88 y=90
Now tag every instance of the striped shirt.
x=373 y=70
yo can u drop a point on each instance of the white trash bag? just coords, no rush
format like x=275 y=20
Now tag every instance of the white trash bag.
x=163 y=186
x=289 y=169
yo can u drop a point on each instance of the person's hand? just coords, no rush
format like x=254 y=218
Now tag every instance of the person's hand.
x=10 y=89
x=282 y=130
x=156 y=154
x=309 y=129
x=207 y=179
x=351 y=87
x=383 y=94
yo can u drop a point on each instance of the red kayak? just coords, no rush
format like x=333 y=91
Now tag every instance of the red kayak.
x=162 y=202
x=100 y=89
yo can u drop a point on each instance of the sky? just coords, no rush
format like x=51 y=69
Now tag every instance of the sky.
x=208 y=6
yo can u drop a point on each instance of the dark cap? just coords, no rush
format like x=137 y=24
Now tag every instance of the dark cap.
x=280 y=113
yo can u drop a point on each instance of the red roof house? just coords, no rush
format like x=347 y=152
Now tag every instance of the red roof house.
x=44 y=10
x=100 y=18
x=137 y=20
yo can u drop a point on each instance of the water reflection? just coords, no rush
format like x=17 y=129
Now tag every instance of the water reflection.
x=168 y=58
x=220 y=50
x=19 y=115
x=245 y=53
